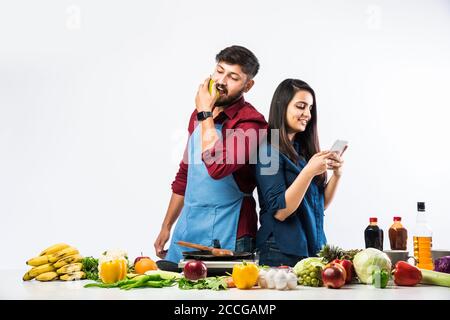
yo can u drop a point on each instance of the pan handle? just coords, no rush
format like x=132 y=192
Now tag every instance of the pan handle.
x=194 y=245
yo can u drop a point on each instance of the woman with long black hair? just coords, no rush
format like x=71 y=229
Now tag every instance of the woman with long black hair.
x=293 y=197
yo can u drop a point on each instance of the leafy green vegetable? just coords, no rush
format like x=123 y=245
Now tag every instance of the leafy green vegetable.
x=213 y=283
x=90 y=267
x=369 y=260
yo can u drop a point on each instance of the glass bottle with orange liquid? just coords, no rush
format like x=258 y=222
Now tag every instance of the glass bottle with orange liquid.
x=422 y=239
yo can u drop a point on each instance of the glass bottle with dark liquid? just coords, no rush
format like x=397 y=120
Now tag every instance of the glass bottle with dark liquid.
x=373 y=235
x=398 y=236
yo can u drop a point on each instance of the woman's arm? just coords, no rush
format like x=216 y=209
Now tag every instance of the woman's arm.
x=331 y=187
x=296 y=191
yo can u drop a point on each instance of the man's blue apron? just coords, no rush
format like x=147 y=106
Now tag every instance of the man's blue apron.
x=211 y=207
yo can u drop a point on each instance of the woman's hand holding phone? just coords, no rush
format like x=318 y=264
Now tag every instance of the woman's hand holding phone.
x=335 y=163
x=328 y=160
x=318 y=163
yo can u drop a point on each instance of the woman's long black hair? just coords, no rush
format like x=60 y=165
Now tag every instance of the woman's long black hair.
x=309 y=139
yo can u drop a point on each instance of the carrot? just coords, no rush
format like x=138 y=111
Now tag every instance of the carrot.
x=230 y=282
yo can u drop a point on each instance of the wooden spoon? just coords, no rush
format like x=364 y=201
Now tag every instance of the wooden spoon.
x=217 y=252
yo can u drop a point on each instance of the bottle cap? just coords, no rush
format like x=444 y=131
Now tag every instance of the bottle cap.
x=420 y=206
x=397 y=218
x=373 y=219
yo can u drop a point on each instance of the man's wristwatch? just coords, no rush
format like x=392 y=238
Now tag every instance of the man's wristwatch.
x=203 y=115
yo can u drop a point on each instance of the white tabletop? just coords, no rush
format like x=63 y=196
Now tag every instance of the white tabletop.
x=12 y=287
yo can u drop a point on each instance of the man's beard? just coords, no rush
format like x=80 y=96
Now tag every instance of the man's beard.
x=227 y=101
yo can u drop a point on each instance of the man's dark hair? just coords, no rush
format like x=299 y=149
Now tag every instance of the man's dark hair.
x=240 y=56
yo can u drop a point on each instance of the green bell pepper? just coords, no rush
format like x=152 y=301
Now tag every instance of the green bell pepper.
x=380 y=278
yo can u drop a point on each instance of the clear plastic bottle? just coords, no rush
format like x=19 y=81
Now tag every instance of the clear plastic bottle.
x=398 y=235
x=373 y=235
x=422 y=239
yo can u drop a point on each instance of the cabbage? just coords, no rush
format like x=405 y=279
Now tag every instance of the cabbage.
x=369 y=260
x=442 y=264
x=307 y=264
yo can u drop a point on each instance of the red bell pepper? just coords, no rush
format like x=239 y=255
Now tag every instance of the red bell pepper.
x=406 y=274
x=348 y=266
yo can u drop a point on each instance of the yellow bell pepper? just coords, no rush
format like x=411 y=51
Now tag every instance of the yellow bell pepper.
x=245 y=275
x=113 y=271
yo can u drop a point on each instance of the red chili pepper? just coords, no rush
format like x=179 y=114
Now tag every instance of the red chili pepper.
x=406 y=274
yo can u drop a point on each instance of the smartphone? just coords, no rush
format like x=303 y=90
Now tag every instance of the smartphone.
x=339 y=147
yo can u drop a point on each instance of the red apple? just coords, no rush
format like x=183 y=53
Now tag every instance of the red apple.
x=195 y=269
x=139 y=258
x=333 y=275
x=348 y=266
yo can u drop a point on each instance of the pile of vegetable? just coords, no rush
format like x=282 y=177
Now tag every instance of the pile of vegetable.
x=112 y=267
x=333 y=268
x=374 y=267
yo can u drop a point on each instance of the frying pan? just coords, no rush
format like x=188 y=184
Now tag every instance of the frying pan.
x=208 y=256
x=218 y=252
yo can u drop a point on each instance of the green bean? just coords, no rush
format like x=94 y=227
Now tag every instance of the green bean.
x=109 y=285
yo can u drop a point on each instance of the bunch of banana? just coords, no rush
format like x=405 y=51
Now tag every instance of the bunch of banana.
x=60 y=261
x=71 y=271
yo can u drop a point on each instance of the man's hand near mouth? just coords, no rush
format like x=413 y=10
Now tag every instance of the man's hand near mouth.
x=204 y=102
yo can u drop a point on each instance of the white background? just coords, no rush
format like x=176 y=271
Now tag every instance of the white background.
x=95 y=98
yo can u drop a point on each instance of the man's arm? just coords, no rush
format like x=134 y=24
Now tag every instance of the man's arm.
x=177 y=199
x=235 y=149
x=173 y=211
x=209 y=134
